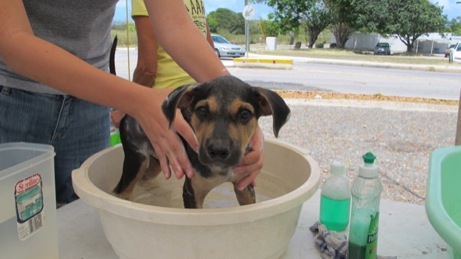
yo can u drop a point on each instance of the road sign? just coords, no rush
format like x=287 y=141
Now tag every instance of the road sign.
x=248 y=12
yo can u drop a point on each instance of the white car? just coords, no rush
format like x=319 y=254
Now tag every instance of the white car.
x=224 y=48
x=455 y=54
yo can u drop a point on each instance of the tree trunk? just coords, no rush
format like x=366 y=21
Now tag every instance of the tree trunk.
x=313 y=36
x=342 y=32
x=409 y=48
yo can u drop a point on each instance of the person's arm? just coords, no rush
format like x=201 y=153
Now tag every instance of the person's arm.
x=146 y=67
x=208 y=36
x=183 y=41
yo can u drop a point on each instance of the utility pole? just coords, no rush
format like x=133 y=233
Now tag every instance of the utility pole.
x=248 y=13
x=247 y=32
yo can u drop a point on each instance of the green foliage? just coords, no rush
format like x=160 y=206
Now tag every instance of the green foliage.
x=411 y=19
x=121 y=26
x=126 y=34
x=408 y=19
x=289 y=13
x=454 y=26
x=315 y=20
x=345 y=19
x=314 y=16
x=269 y=28
x=225 y=19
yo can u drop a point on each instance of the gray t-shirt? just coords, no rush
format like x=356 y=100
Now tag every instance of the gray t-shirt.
x=82 y=27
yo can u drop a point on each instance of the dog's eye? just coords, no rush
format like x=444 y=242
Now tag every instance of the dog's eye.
x=244 y=115
x=202 y=111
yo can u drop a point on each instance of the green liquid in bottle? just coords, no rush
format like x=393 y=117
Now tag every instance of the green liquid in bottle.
x=334 y=214
x=357 y=251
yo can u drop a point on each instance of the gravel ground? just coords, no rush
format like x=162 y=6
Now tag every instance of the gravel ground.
x=401 y=134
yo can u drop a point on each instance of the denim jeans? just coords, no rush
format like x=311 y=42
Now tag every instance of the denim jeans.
x=74 y=127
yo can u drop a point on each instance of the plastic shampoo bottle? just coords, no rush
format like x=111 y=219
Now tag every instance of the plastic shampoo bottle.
x=366 y=193
x=335 y=199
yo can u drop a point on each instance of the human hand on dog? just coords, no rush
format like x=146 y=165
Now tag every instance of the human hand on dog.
x=165 y=141
x=252 y=162
x=116 y=116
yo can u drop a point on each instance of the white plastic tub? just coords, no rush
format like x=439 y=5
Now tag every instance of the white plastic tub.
x=222 y=230
x=28 y=227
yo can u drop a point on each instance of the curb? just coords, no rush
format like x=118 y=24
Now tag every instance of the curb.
x=431 y=68
x=274 y=63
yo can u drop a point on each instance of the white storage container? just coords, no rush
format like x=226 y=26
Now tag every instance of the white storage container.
x=28 y=227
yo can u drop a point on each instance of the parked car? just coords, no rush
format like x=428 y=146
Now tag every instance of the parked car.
x=449 y=48
x=455 y=54
x=382 y=48
x=224 y=48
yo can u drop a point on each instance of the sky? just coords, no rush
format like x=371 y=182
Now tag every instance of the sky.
x=450 y=8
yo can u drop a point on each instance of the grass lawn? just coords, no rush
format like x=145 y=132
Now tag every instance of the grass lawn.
x=355 y=55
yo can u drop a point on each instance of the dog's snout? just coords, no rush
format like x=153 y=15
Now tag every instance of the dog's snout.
x=218 y=150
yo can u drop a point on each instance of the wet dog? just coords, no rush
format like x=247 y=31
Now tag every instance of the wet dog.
x=224 y=115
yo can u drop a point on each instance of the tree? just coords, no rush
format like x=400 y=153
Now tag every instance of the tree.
x=288 y=13
x=227 y=20
x=345 y=20
x=454 y=26
x=407 y=19
x=315 y=21
x=312 y=15
x=411 y=19
x=269 y=28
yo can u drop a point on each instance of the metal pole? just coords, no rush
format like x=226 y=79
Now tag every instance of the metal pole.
x=247 y=33
x=247 y=37
x=458 y=128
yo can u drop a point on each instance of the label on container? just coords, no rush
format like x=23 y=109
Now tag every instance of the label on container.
x=372 y=240
x=363 y=238
x=28 y=195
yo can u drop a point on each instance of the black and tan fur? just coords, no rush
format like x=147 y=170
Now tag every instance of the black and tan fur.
x=224 y=114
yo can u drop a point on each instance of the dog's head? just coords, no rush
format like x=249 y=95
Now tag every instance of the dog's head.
x=224 y=115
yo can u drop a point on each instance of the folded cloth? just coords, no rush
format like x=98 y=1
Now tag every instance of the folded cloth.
x=332 y=245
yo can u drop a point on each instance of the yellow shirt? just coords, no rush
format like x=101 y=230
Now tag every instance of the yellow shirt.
x=170 y=74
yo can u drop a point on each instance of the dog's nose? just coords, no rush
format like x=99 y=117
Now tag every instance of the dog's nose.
x=218 y=151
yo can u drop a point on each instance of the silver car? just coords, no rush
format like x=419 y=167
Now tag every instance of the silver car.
x=224 y=48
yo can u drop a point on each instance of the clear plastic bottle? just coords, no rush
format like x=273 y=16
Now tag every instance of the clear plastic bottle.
x=366 y=193
x=335 y=199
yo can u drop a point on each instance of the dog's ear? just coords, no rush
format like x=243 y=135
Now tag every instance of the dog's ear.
x=271 y=103
x=180 y=97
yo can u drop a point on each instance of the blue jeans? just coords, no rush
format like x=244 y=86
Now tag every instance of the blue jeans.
x=74 y=127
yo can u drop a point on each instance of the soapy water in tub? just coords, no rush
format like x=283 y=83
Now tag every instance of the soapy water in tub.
x=168 y=193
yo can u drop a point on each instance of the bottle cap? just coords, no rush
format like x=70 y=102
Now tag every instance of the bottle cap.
x=369 y=158
x=337 y=167
x=369 y=169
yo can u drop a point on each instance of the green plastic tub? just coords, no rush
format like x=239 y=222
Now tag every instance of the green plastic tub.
x=443 y=197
